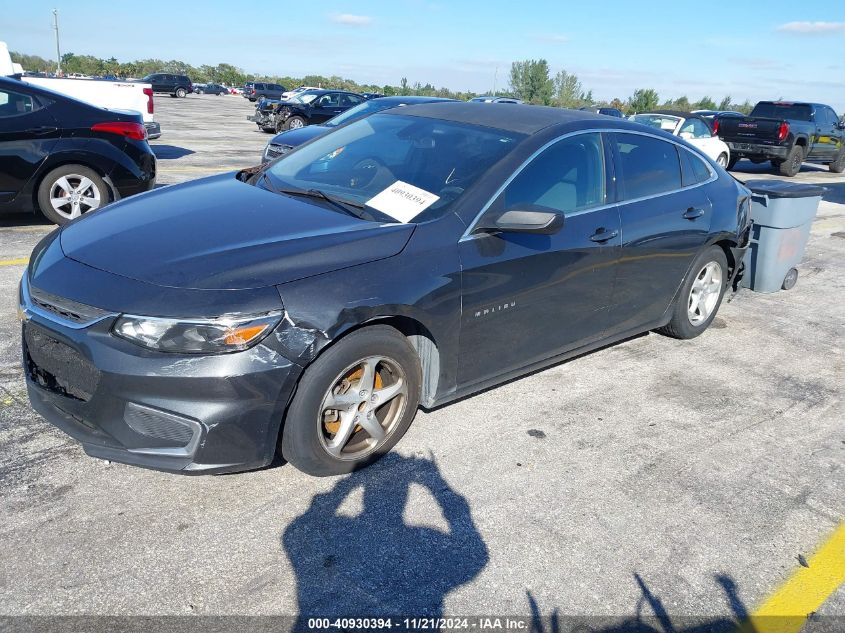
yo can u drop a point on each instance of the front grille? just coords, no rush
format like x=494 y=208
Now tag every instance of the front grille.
x=66 y=309
x=58 y=367
x=159 y=424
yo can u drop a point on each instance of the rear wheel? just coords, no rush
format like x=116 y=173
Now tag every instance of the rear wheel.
x=69 y=191
x=700 y=295
x=353 y=403
x=181 y=93
x=838 y=166
x=722 y=160
x=792 y=164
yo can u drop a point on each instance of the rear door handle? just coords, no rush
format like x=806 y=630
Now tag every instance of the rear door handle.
x=693 y=212
x=44 y=129
x=603 y=235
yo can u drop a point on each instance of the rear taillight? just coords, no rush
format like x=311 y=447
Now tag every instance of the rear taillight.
x=135 y=131
x=783 y=131
x=715 y=127
x=150 y=105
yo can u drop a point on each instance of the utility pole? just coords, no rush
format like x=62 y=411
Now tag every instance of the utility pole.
x=495 y=79
x=58 y=52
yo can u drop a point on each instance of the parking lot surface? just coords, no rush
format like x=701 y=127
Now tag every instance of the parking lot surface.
x=691 y=477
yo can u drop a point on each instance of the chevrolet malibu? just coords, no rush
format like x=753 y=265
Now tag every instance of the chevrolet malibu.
x=407 y=259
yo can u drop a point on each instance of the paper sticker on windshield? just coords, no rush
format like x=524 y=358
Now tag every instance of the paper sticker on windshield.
x=403 y=201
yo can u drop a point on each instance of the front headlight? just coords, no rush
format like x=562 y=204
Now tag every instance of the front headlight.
x=195 y=336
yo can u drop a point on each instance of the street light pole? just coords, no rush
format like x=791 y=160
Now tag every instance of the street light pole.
x=58 y=52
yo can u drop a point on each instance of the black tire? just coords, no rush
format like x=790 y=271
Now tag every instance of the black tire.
x=294 y=118
x=838 y=166
x=172 y=96
x=792 y=164
x=301 y=442
x=181 y=93
x=268 y=130
x=776 y=163
x=732 y=162
x=49 y=180
x=280 y=126
x=722 y=160
x=679 y=325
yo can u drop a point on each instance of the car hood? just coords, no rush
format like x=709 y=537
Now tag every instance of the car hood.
x=301 y=135
x=221 y=233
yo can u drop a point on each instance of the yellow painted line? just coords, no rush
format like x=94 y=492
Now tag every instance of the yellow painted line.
x=20 y=261
x=804 y=592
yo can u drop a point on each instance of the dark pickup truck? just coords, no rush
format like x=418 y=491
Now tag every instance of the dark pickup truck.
x=787 y=133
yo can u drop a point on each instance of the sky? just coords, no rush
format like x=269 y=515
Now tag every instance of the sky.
x=748 y=49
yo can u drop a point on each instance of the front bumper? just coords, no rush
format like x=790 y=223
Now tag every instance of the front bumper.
x=174 y=412
x=757 y=150
x=262 y=119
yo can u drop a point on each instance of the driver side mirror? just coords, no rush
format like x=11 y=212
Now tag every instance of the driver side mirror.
x=540 y=220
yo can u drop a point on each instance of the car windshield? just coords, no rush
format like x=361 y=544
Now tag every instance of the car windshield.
x=305 y=97
x=794 y=111
x=660 y=121
x=394 y=167
x=360 y=110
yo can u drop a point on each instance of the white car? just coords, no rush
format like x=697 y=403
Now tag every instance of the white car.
x=690 y=127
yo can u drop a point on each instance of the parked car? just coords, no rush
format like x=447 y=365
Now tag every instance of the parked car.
x=307 y=108
x=174 y=85
x=212 y=89
x=114 y=95
x=710 y=115
x=371 y=95
x=258 y=90
x=286 y=141
x=492 y=99
x=292 y=93
x=787 y=133
x=411 y=257
x=607 y=111
x=690 y=127
x=64 y=157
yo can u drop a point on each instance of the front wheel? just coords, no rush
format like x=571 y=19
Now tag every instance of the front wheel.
x=69 y=191
x=353 y=403
x=700 y=295
x=838 y=166
x=295 y=122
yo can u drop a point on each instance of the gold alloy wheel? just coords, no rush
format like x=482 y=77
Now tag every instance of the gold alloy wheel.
x=362 y=408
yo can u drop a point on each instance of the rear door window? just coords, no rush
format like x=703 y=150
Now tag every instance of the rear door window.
x=16 y=104
x=649 y=166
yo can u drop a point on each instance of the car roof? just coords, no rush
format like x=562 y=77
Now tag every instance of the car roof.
x=510 y=117
x=409 y=99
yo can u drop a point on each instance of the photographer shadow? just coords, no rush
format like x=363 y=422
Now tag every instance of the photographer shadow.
x=373 y=564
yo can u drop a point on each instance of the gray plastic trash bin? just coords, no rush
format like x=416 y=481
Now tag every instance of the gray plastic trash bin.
x=783 y=213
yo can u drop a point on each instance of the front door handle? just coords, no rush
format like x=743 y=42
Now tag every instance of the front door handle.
x=44 y=129
x=603 y=235
x=693 y=212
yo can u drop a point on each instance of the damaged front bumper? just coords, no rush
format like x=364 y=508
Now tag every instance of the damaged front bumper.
x=177 y=412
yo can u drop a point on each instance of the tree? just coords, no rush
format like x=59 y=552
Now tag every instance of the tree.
x=568 y=92
x=619 y=105
x=706 y=103
x=725 y=104
x=530 y=81
x=643 y=100
x=403 y=87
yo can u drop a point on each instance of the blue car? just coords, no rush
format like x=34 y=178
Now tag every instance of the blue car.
x=284 y=142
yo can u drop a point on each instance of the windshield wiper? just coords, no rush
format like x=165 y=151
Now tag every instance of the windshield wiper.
x=346 y=206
